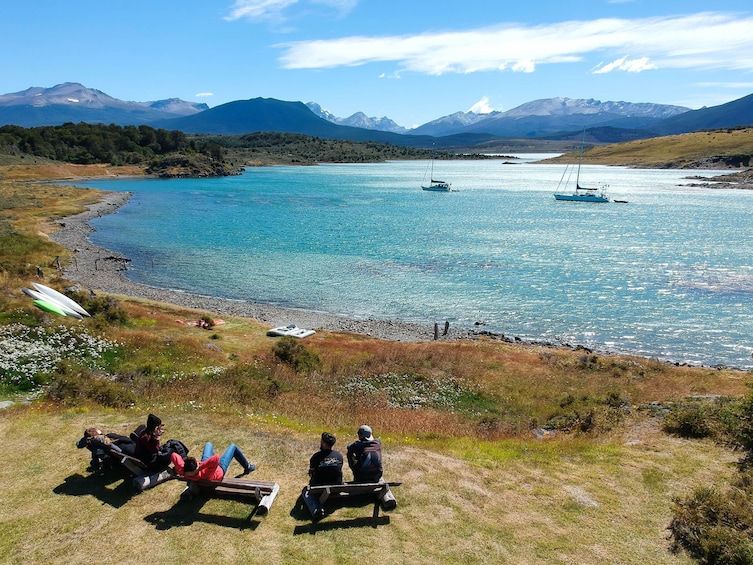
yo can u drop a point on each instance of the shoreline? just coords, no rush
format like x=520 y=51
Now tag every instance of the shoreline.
x=100 y=269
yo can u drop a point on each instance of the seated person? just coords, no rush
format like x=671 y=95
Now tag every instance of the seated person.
x=148 y=448
x=365 y=457
x=102 y=445
x=212 y=467
x=326 y=465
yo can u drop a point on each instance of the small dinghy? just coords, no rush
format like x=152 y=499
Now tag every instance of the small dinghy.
x=290 y=330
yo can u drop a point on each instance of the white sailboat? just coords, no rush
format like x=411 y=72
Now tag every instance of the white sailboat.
x=436 y=185
x=582 y=193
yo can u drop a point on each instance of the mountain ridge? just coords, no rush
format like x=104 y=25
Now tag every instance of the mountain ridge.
x=549 y=118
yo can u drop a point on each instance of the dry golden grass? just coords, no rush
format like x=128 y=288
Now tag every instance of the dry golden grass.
x=675 y=151
x=515 y=501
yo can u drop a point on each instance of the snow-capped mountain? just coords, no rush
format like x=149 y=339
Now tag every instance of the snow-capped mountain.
x=357 y=120
x=551 y=115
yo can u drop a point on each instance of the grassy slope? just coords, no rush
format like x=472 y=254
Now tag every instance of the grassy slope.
x=675 y=151
x=558 y=501
x=466 y=496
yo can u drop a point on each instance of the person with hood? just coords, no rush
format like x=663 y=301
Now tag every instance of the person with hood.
x=365 y=457
x=326 y=465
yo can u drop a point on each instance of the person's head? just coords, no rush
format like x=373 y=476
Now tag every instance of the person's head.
x=153 y=423
x=190 y=467
x=364 y=433
x=328 y=440
x=92 y=432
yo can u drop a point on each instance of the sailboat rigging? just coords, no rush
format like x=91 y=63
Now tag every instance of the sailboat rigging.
x=582 y=193
x=435 y=185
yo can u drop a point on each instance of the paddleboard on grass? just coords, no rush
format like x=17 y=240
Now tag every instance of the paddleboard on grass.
x=39 y=296
x=49 y=307
x=60 y=298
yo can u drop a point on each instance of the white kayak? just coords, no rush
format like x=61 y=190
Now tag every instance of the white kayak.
x=60 y=298
x=39 y=297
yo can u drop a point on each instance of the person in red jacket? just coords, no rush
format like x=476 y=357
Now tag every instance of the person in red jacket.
x=212 y=467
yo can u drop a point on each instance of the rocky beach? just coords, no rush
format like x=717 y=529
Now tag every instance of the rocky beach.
x=101 y=270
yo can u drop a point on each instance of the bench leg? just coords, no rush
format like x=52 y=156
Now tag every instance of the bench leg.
x=266 y=501
x=387 y=500
x=313 y=504
x=143 y=482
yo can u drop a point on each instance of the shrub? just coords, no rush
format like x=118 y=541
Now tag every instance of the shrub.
x=291 y=351
x=588 y=414
x=103 y=308
x=72 y=383
x=249 y=382
x=703 y=418
x=715 y=525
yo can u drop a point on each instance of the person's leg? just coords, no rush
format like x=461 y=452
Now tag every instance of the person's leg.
x=208 y=451
x=233 y=452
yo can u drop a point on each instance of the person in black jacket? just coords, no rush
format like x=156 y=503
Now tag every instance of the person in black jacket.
x=326 y=465
x=365 y=457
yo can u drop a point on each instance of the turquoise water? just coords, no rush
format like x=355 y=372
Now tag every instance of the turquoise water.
x=667 y=275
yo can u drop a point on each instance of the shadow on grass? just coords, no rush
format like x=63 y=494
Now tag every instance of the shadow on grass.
x=301 y=513
x=185 y=513
x=101 y=485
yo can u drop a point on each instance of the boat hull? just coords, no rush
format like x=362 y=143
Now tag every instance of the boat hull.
x=581 y=197
x=439 y=187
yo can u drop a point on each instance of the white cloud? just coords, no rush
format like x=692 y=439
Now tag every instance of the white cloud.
x=203 y=94
x=482 y=106
x=260 y=10
x=625 y=64
x=703 y=41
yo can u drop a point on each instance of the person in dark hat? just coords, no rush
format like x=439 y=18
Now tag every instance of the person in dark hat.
x=326 y=465
x=365 y=457
x=148 y=447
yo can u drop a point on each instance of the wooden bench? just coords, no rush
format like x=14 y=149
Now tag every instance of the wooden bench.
x=263 y=493
x=315 y=497
x=143 y=478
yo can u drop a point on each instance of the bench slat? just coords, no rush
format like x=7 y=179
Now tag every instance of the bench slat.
x=228 y=485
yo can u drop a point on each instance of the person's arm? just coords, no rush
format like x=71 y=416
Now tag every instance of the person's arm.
x=177 y=462
x=352 y=456
x=312 y=464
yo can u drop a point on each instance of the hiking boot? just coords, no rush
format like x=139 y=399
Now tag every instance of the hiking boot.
x=251 y=468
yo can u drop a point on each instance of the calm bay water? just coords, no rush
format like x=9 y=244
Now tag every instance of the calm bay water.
x=667 y=275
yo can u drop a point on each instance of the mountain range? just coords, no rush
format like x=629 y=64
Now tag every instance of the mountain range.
x=73 y=102
x=551 y=118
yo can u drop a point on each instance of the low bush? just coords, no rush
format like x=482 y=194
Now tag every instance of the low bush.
x=73 y=384
x=588 y=414
x=703 y=418
x=715 y=525
x=292 y=352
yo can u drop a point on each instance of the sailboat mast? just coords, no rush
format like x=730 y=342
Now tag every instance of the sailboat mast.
x=431 y=175
x=582 y=140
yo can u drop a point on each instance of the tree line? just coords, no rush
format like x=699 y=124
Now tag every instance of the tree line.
x=87 y=144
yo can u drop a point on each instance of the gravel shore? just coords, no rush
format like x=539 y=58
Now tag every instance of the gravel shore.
x=102 y=270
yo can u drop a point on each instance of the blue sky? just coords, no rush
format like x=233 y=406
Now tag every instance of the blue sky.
x=412 y=61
